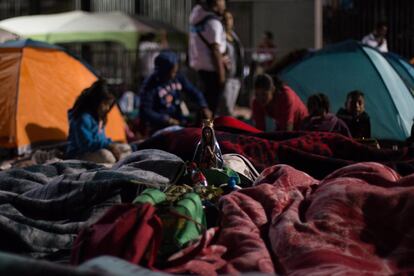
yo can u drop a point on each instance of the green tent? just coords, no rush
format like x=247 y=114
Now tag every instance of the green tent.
x=340 y=68
x=81 y=26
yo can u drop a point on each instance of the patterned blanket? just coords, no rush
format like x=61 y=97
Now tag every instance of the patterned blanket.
x=43 y=207
x=317 y=153
x=358 y=220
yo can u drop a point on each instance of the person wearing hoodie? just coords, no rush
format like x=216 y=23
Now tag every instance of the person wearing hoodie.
x=207 y=48
x=87 y=119
x=160 y=94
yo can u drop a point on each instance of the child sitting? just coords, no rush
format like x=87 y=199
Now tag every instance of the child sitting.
x=354 y=115
x=87 y=119
x=320 y=119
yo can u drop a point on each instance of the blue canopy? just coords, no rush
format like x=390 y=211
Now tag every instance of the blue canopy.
x=340 y=68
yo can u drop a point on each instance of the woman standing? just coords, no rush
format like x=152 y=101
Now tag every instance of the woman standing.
x=234 y=64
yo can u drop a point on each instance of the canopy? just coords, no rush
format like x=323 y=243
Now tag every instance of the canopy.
x=79 y=26
x=40 y=83
x=341 y=68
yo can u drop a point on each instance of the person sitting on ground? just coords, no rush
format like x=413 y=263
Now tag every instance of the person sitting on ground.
x=277 y=101
x=161 y=97
x=320 y=119
x=87 y=119
x=354 y=115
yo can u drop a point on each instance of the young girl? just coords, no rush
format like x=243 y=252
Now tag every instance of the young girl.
x=87 y=119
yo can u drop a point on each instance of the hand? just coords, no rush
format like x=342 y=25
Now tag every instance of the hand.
x=210 y=152
x=227 y=62
x=173 y=122
x=206 y=113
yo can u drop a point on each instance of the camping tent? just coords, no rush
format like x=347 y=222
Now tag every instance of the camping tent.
x=79 y=26
x=6 y=36
x=40 y=82
x=403 y=68
x=340 y=68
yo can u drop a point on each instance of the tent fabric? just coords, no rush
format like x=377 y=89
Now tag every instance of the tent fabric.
x=21 y=43
x=341 y=68
x=9 y=71
x=39 y=85
x=6 y=36
x=79 y=26
x=403 y=68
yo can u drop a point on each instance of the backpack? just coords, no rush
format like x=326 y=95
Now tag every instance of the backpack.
x=183 y=220
x=131 y=232
x=242 y=166
x=144 y=233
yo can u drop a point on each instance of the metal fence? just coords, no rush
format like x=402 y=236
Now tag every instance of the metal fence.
x=352 y=19
x=175 y=12
x=119 y=65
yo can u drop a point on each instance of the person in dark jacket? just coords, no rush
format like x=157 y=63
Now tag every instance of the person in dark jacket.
x=161 y=95
x=354 y=115
x=87 y=119
x=320 y=119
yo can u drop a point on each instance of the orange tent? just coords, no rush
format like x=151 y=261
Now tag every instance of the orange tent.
x=39 y=83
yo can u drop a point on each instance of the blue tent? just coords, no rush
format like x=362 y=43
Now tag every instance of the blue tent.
x=403 y=68
x=340 y=68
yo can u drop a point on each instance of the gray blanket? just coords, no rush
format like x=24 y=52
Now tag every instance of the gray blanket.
x=11 y=264
x=43 y=207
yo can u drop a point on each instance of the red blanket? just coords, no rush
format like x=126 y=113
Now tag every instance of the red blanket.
x=316 y=153
x=358 y=220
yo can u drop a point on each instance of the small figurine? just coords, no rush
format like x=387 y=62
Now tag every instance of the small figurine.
x=208 y=154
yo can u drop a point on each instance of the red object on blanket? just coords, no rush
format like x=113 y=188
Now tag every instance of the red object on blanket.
x=134 y=233
x=358 y=220
x=316 y=153
x=227 y=122
x=131 y=232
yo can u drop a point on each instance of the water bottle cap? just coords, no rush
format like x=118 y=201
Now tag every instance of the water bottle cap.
x=232 y=182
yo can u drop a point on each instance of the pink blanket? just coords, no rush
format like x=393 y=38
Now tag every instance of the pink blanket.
x=357 y=220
